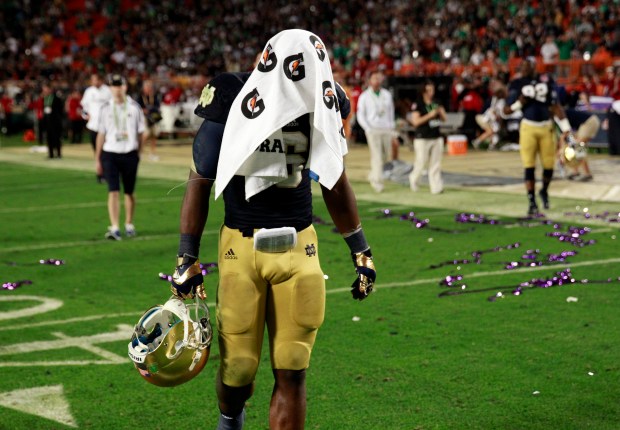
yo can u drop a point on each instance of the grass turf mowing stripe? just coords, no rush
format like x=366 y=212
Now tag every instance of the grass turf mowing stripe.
x=102 y=203
x=379 y=286
x=74 y=320
x=484 y=274
x=93 y=242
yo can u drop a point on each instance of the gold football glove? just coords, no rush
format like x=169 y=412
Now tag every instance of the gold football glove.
x=187 y=280
x=366 y=275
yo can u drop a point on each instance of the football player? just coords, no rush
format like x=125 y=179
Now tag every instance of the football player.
x=284 y=291
x=536 y=96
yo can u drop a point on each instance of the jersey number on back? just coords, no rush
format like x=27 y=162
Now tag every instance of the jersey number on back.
x=296 y=144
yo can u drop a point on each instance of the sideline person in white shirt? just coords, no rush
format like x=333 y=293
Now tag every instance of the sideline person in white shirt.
x=120 y=138
x=93 y=99
x=375 y=114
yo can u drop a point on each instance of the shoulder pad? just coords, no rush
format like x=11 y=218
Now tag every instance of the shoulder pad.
x=218 y=95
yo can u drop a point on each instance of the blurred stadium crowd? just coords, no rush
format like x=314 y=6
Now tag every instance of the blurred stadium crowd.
x=180 y=45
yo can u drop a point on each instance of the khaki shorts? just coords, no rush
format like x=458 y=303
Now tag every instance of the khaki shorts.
x=483 y=122
x=283 y=291
x=152 y=130
x=537 y=139
x=588 y=129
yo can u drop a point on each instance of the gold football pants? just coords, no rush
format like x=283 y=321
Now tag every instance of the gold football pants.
x=283 y=291
x=537 y=139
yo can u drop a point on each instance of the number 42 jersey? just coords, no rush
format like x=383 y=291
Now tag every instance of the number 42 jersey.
x=540 y=93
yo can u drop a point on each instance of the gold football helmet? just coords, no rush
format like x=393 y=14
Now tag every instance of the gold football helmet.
x=171 y=342
x=574 y=151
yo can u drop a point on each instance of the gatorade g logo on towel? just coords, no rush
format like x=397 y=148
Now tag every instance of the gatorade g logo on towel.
x=268 y=60
x=320 y=49
x=294 y=67
x=329 y=96
x=252 y=104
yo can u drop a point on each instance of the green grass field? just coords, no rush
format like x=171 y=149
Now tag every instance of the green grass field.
x=411 y=360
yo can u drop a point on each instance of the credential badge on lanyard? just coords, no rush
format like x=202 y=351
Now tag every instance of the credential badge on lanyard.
x=120 y=125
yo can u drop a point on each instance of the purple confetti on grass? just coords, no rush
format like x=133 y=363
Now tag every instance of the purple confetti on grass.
x=10 y=286
x=477 y=256
x=52 y=262
x=424 y=223
x=560 y=278
x=573 y=236
x=609 y=216
x=531 y=259
x=449 y=280
x=465 y=218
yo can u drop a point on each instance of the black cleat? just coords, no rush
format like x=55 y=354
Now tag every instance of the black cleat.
x=533 y=209
x=544 y=196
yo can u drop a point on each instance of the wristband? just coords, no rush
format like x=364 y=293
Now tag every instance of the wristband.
x=189 y=244
x=356 y=241
x=516 y=106
x=564 y=125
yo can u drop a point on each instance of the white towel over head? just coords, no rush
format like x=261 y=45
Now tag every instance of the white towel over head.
x=293 y=78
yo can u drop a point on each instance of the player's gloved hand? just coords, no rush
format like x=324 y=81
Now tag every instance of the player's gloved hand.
x=366 y=275
x=187 y=280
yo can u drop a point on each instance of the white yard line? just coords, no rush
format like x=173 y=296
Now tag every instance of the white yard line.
x=47 y=304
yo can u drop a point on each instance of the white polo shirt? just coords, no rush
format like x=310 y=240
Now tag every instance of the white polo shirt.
x=92 y=101
x=122 y=125
x=375 y=111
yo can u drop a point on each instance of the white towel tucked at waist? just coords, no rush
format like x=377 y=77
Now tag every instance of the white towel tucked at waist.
x=293 y=77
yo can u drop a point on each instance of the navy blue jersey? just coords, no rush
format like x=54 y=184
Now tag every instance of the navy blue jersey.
x=218 y=95
x=288 y=203
x=540 y=93
x=430 y=129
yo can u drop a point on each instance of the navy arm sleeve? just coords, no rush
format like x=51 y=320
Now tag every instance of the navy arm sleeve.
x=206 y=148
x=214 y=105
x=343 y=101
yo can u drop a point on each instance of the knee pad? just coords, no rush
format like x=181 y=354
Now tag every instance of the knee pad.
x=529 y=174
x=238 y=371
x=292 y=356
